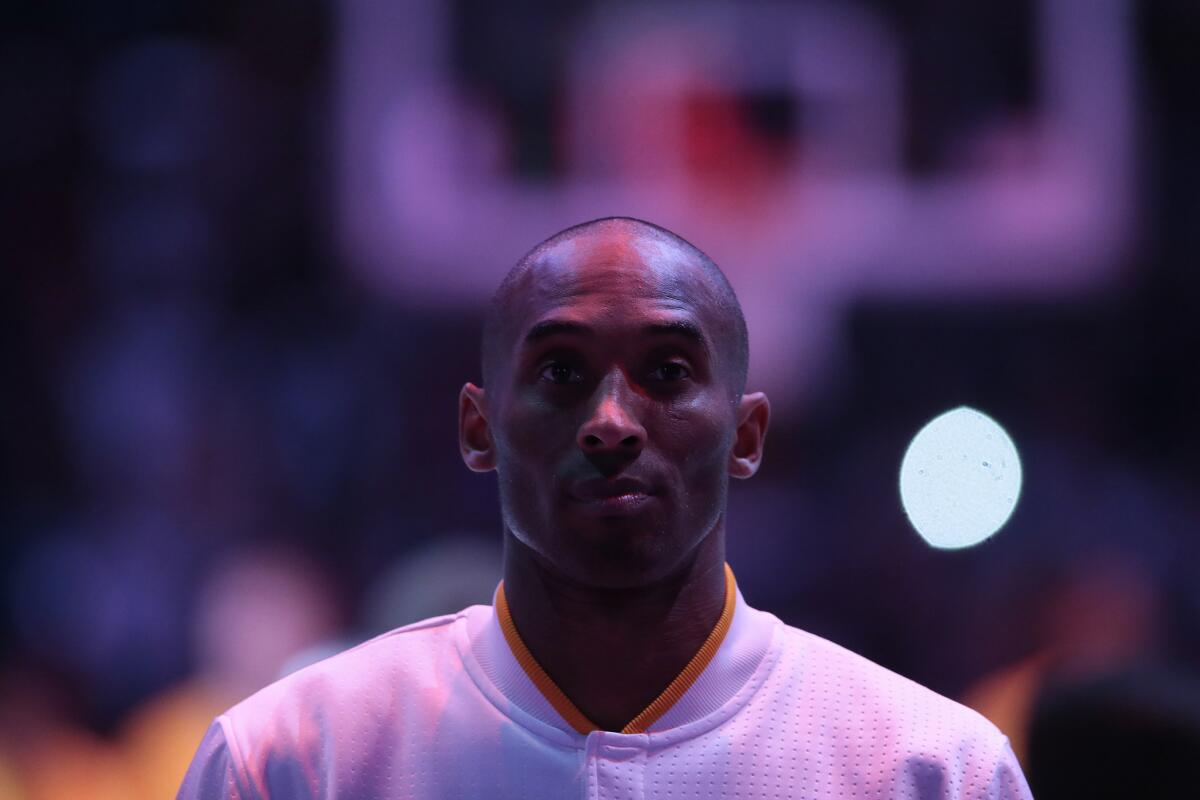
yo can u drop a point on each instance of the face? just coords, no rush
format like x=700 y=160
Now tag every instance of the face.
x=613 y=418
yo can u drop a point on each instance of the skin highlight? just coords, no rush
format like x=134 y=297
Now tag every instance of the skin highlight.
x=628 y=376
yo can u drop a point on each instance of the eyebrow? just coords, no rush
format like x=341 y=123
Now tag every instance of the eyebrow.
x=676 y=327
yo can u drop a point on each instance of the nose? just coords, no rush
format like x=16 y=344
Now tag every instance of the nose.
x=612 y=428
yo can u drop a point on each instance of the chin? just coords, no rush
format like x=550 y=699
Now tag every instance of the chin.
x=610 y=552
x=623 y=559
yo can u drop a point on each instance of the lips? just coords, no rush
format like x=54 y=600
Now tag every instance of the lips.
x=610 y=489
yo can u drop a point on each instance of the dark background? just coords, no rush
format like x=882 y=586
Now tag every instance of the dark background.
x=213 y=421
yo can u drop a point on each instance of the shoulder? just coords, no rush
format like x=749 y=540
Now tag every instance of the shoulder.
x=844 y=706
x=413 y=653
x=857 y=692
x=281 y=740
x=346 y=695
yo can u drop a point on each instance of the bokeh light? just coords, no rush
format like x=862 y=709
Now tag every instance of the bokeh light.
x=960 y=479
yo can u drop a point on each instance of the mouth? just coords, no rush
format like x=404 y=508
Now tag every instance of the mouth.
x=619 y=504
x=612 y=497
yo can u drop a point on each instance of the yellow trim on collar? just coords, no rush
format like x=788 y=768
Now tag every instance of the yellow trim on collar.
x=639 y=724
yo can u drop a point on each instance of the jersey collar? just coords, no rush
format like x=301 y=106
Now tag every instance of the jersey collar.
x=721 y=666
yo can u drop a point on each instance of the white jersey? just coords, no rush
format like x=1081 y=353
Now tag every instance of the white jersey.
x=454 y=707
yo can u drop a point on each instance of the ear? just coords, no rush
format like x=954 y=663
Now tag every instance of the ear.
x=474 y=432
x=753 y=414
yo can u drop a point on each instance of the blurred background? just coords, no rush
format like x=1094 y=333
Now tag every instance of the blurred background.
x=247 y=246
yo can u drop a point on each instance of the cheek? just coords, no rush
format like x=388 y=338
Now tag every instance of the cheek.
x=530 y=443
x=533 y=433
x=698 y=441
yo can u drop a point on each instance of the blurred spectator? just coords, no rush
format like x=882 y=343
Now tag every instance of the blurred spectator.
x=45 y=754
x=1120 y=735
x=257 y=609
x=1104 y=614
x=447 y=574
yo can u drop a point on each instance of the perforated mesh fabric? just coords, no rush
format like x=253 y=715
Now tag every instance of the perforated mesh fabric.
x=440 y=709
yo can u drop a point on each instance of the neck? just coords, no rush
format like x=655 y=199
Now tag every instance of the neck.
x=613 y=651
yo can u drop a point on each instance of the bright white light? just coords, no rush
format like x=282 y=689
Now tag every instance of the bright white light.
x=960 y=479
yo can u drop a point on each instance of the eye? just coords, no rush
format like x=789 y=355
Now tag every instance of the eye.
x=672 y=372
x=560 y=373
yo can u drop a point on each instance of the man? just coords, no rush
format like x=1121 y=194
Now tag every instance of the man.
x=618 y=659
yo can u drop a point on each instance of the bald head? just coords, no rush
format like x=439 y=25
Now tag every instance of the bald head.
x=569 y=250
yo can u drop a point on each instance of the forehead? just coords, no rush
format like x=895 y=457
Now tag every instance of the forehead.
x=614 y=279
